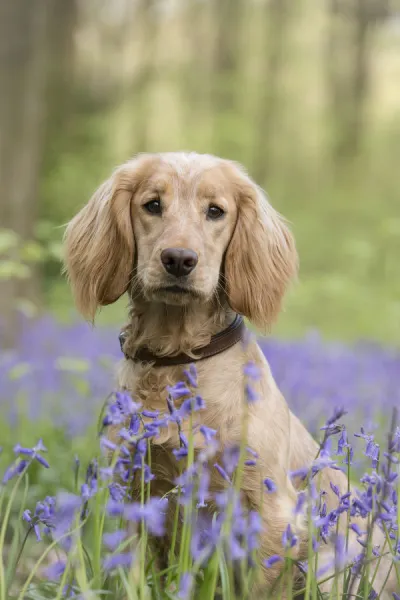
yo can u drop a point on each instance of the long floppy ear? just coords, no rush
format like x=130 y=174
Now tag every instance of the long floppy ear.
x=261 y=258
x=99 y=243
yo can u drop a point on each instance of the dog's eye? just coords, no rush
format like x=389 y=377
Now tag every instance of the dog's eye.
x=214 y=212
x=154 y=206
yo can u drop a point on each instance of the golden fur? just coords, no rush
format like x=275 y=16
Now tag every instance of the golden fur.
x=246 y=261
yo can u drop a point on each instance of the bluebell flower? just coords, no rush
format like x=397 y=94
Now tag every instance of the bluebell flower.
x=203 y=488
x=338 y=413
x=180 y=453
x=33 y=453
x=107 y=444
x=253 y=530
x=272 y=560
x=250 y=393
x=342 y=442
x=33 y=522
x=117 y=491
x=152 y=513
x=301 y=499
x=299 y=473
x=289 y=539
x=55 y=571
x=179 y=390
x=207 y=433
x=222 y=472
x=123 y=559
x=230 y=458
x=185 y=586
x=340 y=552
x=114 y=539
x=252 y=371
x=125 y=403
x=270 y=485
x=191 y=375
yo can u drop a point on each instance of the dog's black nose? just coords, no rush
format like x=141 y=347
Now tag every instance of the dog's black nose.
x=179 y=261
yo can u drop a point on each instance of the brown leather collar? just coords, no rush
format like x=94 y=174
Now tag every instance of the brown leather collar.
x=219 y=343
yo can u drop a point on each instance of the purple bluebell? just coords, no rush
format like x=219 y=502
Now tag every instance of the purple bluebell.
x=180 y=453
x=270 y=485
x=230 y=458
x=152 y=513
x=55 y=571
x=151 y=414
x=123 y=559
x=179 y=390
x=33 y=453
x=299 y=473
x=251 y=395
x=301 y=499
x=33 y=522
x=252 y=371
x=191 y=375
x=289 y=539
x=107 y=444
x=222 y=472
x=207 y=433
x=253 y=531
x=114 y=539
x=203 y=488
x=340 y=552
x=272 y=560
x=185 y=586
x=117 y=491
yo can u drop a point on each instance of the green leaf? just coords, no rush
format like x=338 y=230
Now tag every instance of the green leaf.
x=32 y=252
x=11 y=268
x=8 y=240
x=55 y=250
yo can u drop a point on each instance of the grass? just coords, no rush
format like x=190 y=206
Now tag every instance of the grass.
x=54 y=386
x=95 y=543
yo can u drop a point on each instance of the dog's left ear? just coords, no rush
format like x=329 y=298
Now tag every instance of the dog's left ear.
x=261 y=258
x=99 y=241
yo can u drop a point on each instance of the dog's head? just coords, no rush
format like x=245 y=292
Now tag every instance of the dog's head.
x=178 y=228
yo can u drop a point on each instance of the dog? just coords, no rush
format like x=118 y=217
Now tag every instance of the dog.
x=195 y=243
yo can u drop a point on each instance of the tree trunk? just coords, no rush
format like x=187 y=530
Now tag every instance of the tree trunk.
x=276 y=23
x=147 y=31
x=23 y=66
x=360 y=78
x=348 y=69
x=225 y=76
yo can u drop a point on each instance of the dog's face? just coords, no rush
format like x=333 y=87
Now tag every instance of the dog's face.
x=183 y=216
x=178 y=228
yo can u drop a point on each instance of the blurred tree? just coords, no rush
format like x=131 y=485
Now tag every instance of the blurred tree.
x=225 y=78
x=62 y=22
x=146 y=30
x=23 y=67
x=276 y=20
x=36 y=64
x=348 y=68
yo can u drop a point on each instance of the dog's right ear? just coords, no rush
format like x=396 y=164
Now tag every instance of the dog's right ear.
x=99 y=242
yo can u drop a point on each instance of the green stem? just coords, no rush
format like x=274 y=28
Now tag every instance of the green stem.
x=49 y=548
x=4 y=529
x=143 y=540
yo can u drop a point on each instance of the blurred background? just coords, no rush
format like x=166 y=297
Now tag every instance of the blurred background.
x=305 y=94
